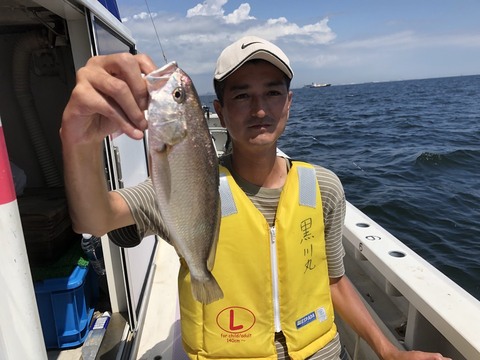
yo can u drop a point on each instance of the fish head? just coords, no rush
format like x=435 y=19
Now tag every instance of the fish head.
x=168 y=88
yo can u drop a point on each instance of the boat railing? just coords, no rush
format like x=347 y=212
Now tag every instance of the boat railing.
x=422 y=308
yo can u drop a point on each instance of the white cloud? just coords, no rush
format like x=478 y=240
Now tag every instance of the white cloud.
x=143 y=16
x=239 y=15
x=313 y=34
x=207 y=8
x=214 y=8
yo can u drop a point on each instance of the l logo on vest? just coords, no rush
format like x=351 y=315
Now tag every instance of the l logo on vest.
x=235 y=319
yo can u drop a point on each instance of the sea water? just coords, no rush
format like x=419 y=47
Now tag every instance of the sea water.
x=408 y=155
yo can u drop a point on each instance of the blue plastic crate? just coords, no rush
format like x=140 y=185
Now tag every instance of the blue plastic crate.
x=66 y=307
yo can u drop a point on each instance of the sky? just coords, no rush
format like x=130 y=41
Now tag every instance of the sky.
x=327 y=41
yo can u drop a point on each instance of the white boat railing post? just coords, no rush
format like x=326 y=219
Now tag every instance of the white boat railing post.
x=21 y=334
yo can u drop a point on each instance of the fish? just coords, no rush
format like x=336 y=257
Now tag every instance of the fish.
x=185 y=175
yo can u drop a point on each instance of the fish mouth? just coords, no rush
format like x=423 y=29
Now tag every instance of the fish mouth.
x=159 y=77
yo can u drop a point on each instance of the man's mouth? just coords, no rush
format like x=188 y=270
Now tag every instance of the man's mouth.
x=260 y=125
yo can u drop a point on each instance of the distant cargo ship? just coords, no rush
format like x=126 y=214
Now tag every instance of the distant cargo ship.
x=316 y=85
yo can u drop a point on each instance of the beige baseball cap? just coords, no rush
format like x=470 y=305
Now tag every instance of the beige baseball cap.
x=249 y=48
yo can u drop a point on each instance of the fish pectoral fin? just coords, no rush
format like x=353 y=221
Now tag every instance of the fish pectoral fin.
x=213 y=249
x=166 y=148
x=159 y=147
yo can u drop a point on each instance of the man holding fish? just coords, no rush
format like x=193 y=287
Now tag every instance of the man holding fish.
x=259 y=235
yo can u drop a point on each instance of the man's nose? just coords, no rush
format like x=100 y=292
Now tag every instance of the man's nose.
x=258 y=107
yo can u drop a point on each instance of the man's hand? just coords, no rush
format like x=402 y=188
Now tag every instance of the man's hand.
x=110 y=96
x=415 y=355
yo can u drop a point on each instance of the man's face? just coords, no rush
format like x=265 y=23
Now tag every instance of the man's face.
x=256 y=105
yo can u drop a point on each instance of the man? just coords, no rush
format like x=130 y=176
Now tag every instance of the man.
x=286 y=229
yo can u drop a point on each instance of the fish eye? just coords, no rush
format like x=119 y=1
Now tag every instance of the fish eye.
x=178 y=95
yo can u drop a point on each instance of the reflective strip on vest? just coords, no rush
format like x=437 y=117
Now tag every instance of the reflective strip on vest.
x=308 y=186
x=226 y=196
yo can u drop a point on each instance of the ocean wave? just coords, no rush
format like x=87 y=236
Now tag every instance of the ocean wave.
x=456 y=158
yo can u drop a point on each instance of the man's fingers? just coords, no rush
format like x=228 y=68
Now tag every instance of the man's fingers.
x=111 y=96
x=131 y=69
x=146 y=63
x=127 y=97
x=121 y=83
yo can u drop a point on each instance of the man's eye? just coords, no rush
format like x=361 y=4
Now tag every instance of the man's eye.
x=241 y=96
x=274 y=93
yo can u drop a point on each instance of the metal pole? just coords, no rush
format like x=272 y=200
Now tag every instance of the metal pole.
x=21 y=334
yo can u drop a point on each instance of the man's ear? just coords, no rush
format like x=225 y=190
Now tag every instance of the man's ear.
x=219 y=111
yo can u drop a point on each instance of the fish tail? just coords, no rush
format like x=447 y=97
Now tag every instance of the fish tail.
x=206 y=291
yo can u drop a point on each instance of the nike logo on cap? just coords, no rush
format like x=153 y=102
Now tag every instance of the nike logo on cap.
x=251 y=43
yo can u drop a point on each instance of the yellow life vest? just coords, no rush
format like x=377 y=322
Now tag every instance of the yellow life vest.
x=273 y=279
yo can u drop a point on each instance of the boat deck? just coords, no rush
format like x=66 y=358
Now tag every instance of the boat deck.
x=161 y=334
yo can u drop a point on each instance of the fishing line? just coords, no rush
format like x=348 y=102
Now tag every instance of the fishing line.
x=156 y=33
x=354 y=163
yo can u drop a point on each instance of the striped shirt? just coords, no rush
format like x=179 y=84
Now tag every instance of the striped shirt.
x=141 y=201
